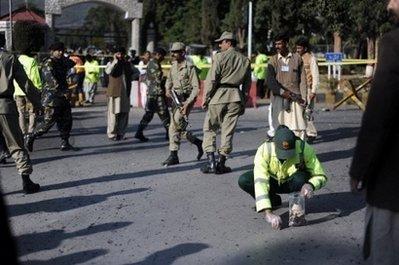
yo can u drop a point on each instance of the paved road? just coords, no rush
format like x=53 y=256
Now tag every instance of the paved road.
x=113 y=203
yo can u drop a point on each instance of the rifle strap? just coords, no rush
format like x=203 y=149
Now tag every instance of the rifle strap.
x=302 y=165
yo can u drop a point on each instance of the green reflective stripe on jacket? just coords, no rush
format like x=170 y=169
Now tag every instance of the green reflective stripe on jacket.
x=32 y=71
x=268 y=165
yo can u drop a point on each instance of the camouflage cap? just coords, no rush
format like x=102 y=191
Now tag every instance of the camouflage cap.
x=226 y=36
x=178 y=46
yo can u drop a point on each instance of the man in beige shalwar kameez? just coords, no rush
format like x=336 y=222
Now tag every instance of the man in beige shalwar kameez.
x=119 y=72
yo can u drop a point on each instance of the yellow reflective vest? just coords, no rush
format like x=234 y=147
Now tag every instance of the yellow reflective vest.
x=92 y=72
x=267 y=166
x=31 y=68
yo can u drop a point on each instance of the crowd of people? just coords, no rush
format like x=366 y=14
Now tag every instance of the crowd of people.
x=284 y=163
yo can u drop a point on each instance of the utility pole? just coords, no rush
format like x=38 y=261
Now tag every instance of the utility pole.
x=10 y=17
x=249 y=29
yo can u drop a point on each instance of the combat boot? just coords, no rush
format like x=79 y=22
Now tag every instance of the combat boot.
x=173 y=159
x=139 y=134
x=210 y=167
x=167 y=134
x=3 y=157
x=66 y=146
x=28 y=141
x=28 y=185
x=197 y=142
x=221 y=167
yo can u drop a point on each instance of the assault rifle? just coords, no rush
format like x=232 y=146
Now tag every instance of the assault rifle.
x=297 y=98
x=179 y=106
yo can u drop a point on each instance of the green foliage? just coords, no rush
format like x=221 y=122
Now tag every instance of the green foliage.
x=106 y=21
x=28 y=36
x=201 y=21
x=210 y=21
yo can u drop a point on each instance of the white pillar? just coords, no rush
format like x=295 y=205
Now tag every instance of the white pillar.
x=50 y=20
x=135 y=42
x=249 y=29
x=50 y=37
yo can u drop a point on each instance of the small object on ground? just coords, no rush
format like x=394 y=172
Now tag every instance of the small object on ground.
x=296 y=210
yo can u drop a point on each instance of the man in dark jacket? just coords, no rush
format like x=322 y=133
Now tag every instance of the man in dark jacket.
x=375 y=162
x=57 y=109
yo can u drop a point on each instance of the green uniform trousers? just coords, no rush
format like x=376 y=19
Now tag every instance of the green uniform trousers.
x=156 y=105
x=15 y=142
x=295 y=183
x=224 y=117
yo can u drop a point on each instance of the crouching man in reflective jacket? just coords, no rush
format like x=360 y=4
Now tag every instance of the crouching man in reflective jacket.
x=284 y=165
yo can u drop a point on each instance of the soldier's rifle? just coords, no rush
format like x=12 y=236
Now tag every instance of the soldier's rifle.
x=179 y=105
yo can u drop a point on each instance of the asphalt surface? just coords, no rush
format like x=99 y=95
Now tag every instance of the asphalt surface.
x=113 y=202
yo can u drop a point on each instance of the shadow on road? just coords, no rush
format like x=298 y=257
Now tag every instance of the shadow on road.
x=64 y=204
x=168 y=256
x=335 y=155
x=98 y=151
x=336 y=134
x=330 y=206
x=299 y=251
x=31 y=243
x=70 y=259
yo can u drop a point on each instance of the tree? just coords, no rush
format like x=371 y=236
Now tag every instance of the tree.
x=28 y=36
x=336 y=18
x=371 y=19
x=236 y=20
x=209 y=21
x=106 y=21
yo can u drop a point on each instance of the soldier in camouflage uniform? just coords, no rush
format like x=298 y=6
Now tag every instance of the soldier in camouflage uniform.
x=156 y=101
x=57 y=108
x=183 y=80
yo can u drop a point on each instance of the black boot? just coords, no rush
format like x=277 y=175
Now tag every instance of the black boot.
x=173 y=159
x=66 y=146
x=210 y=167
x=167 y=134
x=28 y=185
x=197 y=142
x=28 y=141
x=221 y=167
x=3 y=157
x=139 y=134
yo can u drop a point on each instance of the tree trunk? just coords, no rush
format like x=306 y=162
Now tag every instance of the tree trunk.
x=337 y=42
x=241 y=37
x=370 y=56
x=370 y=48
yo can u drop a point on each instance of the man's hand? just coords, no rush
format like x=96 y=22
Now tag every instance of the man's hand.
x=184 y=109
x=356 y=185
x=307 y=191
x=312 y=96
x=286 y=94
x=168 y=94
x=39 y=111
x=273 y=219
